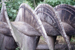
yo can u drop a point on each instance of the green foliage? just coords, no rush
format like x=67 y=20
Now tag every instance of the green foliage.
x=53 y=3
x=17 y=48
x=13 y=5
x=12 y=8
x=73 y=38
x=31 y=2
x=57 y=2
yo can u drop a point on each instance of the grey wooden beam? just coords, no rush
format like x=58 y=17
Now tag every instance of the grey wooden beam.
x=57 y=47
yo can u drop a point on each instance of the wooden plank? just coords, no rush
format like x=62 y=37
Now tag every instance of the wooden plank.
x=50 y=31
x=67 y=14
x=30 y=31
x=6 y=40
x=8 y=21
x=48 y=15
x=63 y=33
x=33 y=20
x=57 y=47
x=4 y=29
x=26 y=29
x=16 y=36
x=27 y=42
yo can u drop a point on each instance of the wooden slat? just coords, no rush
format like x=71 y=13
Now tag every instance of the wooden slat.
x=6 y=40
x=26 y=29
x=8 y=21
x=49 y=15
x=57 y=47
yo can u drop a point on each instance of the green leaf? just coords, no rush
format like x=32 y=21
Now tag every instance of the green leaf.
x=14 y=11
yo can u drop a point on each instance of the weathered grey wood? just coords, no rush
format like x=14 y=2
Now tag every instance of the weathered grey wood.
x=36 y=23
x=1 y=40
x=6 y=40
x=21 y=36
x=22 y=27
x=4 y=29
x=8 y=21
x=57 y=47
x=21 y=24
x=26 y=29
x=66 y=14
x=40 y=30
x=8 y=43
x=27 y=42
x=49 y=29
x=62 y=30
x=2 y=15
x=43 y=11
x=48 y=15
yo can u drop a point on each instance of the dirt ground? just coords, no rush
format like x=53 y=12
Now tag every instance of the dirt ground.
x=59 y=39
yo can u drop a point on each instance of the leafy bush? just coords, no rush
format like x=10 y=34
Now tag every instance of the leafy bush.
x=13 y=5
x=57 y=2
x=12 y=8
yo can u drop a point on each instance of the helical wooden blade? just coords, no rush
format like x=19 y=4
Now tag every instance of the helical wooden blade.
x=7 y=34
x=7 y=20
x=66 y=13
x=45 y=13
x=26 y=14
x=2 y=17
x=26 y=29
x=48 y=15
